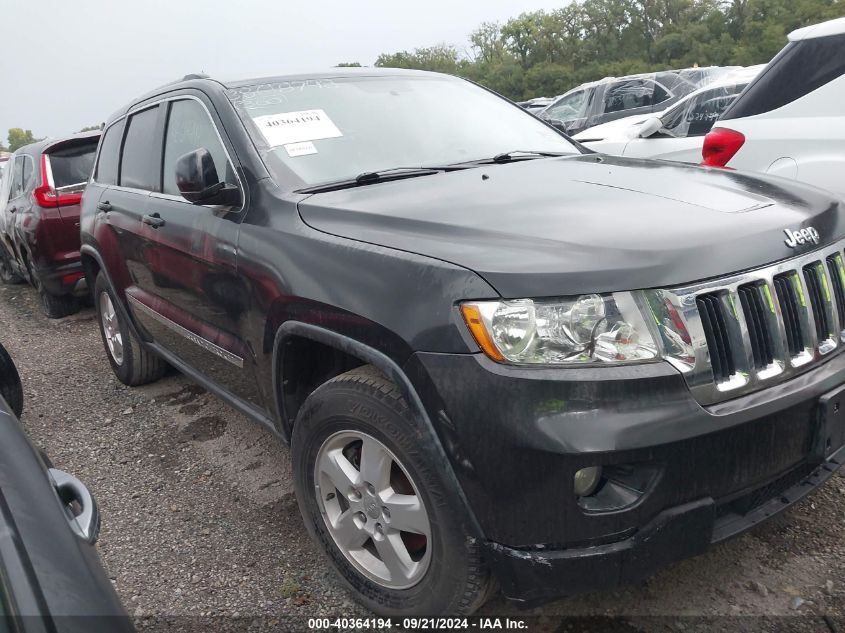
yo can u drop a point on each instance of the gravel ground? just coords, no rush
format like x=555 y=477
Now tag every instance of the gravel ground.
x=199 y=516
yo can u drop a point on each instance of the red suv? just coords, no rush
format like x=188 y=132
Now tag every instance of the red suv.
x=39 y=219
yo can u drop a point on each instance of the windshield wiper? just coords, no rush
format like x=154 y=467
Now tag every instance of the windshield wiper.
x=382 y=175
x=506 y=157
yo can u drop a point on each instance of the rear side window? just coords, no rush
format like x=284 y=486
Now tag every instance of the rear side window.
x=73 y=165
x=633 y=93
x=697 y=115
x=22 y=177
x=797 y=70
x=136 y=163
x=189 y=128
x=109 y=155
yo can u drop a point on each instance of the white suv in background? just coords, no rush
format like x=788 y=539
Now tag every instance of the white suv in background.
x=790 y=121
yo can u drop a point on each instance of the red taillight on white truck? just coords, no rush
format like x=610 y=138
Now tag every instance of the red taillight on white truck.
x=720 y=145
x=46 y=195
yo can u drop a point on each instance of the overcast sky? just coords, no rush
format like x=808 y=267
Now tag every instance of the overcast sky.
x=83 y=59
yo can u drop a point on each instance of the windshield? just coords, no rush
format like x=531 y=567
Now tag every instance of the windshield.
x=329 y=130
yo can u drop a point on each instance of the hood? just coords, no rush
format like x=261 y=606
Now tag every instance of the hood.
x=585 y=223
x=620 y=129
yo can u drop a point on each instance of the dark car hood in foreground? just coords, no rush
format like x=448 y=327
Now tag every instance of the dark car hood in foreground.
x=583 y=224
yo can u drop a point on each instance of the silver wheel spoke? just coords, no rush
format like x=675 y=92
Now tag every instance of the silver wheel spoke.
x=369 y=521
x=375 y=463
x=407 y=513
x=340 y=472
x=347 y=533
x=395 y=556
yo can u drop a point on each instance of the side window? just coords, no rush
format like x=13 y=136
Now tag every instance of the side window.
x=660 y=94
x=106 y=173
x=16 y=178
x=189 y=128
x=697 y=115
x=22 y=179
x=796 y=71
x=28 y=174
x=629 y=94
x=136 y=163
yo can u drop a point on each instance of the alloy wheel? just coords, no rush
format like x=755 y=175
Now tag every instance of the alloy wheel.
x=111 y=328
x=373 y=509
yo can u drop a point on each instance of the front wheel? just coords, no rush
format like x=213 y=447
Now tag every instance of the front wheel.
x=374 y=498
x=132 y=363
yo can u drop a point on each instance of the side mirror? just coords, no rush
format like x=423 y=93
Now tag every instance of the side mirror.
x=650 y=127
x=197 y=180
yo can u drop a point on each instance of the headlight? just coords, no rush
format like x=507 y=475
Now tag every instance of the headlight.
x=585 y=329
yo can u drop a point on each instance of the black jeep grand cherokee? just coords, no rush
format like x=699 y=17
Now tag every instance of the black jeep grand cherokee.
x=496 y=355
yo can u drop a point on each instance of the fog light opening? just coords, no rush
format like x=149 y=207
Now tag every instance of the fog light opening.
x=586 y=481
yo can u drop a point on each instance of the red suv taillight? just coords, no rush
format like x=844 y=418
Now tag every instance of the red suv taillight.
x=46 y=195
x=720 y=145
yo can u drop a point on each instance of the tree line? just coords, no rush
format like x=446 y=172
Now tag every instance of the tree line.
x=545 y=53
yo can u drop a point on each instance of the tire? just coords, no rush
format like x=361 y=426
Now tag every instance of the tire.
x=11 y=389
x=363 y=402
x=58 y=306
x=134 y=365
x=7 y=274
x=54 y=306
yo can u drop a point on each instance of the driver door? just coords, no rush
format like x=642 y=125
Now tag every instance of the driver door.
x=190 y=297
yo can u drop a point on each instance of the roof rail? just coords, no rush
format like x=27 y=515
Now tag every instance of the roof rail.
x=195 y=76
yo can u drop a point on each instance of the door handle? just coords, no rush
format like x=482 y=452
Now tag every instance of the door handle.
x=154 y=220
x=104 y=206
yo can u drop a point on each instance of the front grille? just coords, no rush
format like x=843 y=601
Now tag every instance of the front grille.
x=754 y=329
x=819 y=298
x=792 y=304
x=756 y=310
x=837 y=280
x=716 y=331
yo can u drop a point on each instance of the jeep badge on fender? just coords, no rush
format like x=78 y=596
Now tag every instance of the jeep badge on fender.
x=804 y=236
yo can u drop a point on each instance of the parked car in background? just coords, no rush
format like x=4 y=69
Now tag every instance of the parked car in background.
x=790 y=122
x=52 y=577
x=39 y=229
x=535 y=105
x=4 y=160
x=678 y=132
x=494 y=354
x=614 y=98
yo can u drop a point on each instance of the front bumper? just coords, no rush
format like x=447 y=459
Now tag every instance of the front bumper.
x=531 y=577
x=516 y=437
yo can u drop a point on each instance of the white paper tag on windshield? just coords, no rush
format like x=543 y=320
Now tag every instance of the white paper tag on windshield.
x=296 y=127
x=300 y=149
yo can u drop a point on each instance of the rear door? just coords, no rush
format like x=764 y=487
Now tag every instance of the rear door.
x=19 y=206
x=187 y=292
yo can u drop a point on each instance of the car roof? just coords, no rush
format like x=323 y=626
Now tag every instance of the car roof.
x=202 y=80
x=823 y=29
x=39 y=147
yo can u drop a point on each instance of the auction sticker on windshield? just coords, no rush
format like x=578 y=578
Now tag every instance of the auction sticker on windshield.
x=296 y=127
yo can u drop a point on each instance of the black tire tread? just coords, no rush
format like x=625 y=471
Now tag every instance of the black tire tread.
x=480 y=585
x=58 y=306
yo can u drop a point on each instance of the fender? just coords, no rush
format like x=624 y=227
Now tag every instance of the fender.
x=391 y=370
x=87 y=249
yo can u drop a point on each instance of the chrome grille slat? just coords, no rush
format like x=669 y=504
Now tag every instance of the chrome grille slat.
x=778 y=321
x=835 y=270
